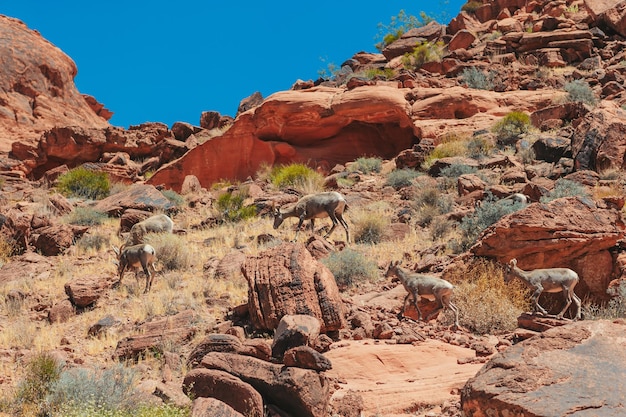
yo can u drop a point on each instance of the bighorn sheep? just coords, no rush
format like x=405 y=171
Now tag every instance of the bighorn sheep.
x=159 y=223
x=550 y=280
x=426 y=286
x=518 y=198
x=313 y=206
x=142 y=255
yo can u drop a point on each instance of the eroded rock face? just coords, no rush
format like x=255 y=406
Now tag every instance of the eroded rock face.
x=599 y=142
x=326 y=125
x=570 y=232
x=38 y=87
x=569 y=370
x=286 y=280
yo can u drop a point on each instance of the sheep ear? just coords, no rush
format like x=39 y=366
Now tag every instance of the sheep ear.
x=513 y=262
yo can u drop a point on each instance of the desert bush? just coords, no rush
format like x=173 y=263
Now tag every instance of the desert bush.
x=580 y=91
x=384 y=73
x=439 y=229
x=367 y=165
x=298 y=176
x=429 y=203
x=478 y=79
x=175 y=198
x=471 y=6
x=172 y=251
x=93 y=241
x=399 y=178
x=8 y=248
x=487 y=305
x=85 y=183
x=42 y=371
x=423 y=53
x=398 y=26
x=370 y=224
x=85 y=216
x=163 y=410
x=511 y=127
x=111 y=390
x=351 y=267
x=479 y=146
x=454 y=171
x=231 y=206
x=448 y=149
x=565 y=188
x=489 y=212
x=615 y=308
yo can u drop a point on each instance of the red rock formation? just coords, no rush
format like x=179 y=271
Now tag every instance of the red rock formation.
x=37 y=81
x=567 y=232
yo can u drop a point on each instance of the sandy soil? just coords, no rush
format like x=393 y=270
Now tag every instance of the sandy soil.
x=395 y=380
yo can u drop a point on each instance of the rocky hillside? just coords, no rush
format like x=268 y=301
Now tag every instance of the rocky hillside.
x=432 y=155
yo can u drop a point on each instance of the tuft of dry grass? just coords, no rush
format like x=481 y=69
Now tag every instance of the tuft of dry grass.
x=487 y=305
x=371 y=222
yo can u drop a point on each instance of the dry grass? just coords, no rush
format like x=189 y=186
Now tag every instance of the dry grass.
x=486 y=304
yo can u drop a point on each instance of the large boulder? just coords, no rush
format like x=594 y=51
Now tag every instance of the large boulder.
x=286 y=280
x=608 y=12
x=570 y=232
x=570 y=370
x=139 y=197
x=299 y=392
x=213 y=383
x=599 y=141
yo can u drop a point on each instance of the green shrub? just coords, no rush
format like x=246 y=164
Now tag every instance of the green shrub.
x=580 y=91
x=487 y=305
x=367 y=165
x=456 y=170
x=478 y=79
x=565 y=188
x=231 y=206
x=298 y=176
x=175 y=198
x=107 y=390
x=398 y=26
x=471 y=6
x=162 y=410
x=351 y=267
x=511 y=127
x=384 y=73
x=86 y=216
x=82 y=182
x=42 y=371
x=447 y=150
x=422 y=53
x=401 y=177
x=489 y=212
x=172 y=251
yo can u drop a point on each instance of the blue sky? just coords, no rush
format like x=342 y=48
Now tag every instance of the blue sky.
x=168 y=61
